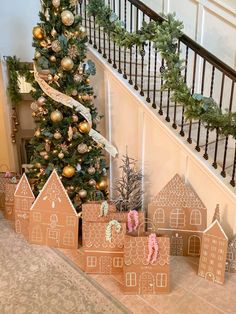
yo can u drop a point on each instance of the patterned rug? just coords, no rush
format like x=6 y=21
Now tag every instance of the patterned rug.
x=35 y=279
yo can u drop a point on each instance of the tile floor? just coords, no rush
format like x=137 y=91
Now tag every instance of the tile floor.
x=190 y=294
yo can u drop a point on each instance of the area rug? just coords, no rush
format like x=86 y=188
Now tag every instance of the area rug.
x=35 y=279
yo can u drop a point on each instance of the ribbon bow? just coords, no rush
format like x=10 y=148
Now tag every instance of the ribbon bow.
x=134 y=214
x=152 y=248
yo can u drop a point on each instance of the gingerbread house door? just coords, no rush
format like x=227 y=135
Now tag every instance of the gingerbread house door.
x=53 y=237
x=146 y=284
x=106 y=264
x=210 y=276
x=176 y=247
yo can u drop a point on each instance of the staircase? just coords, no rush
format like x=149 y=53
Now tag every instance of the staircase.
x=203 y=73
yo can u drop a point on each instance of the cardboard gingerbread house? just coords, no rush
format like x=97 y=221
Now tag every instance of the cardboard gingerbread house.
x=231 y=256
x=53 y=218
x=23 y=200
x=140 y=275
x=213 y=253
x=179 y=212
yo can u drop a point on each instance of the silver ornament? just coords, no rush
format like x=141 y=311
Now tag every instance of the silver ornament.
x=56 y=3
x=82 y=148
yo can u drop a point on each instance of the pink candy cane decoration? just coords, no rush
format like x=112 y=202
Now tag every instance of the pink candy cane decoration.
x=152 y=248
x=8 y=174
x=134 y=214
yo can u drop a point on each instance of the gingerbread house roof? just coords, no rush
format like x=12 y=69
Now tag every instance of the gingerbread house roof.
x=94 y=236
x=53 y=197
x=24 y=189
x=215 y=230
x=136 y=251
x=178 y=194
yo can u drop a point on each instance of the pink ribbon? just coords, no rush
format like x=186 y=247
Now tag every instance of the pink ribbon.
x=134 y=214
x=152 y=248
x=8 y=174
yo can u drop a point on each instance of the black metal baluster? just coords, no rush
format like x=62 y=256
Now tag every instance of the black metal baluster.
x=136 y=55
x=185 y=80
x=174 y=125
x=80 y=7
x=125 y=50
x=142 y=53
x=119 y=55
x=232 y=182
x=202 y=91
x=223 y=173
x=114 y=44
x=94 y=33
x=131 y=49
x=217 y=130
x=208 y=131
x=155 y=80
x=168 y=106
x=90 y=31
x=85 y=14
x=149 y=72
x=162 y=69
x=99 y=40
x=189 y=139
x=109 y=40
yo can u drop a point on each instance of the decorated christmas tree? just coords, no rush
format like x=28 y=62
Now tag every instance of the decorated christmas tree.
x=66 y=118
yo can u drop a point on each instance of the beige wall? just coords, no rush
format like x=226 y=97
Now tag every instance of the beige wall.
x=161 y=154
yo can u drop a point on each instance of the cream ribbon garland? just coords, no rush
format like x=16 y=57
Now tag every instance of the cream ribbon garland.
x=72 y=103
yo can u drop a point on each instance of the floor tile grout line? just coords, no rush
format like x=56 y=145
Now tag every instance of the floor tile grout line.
x=212 y=305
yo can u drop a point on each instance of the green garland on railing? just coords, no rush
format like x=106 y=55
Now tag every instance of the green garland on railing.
x=165 y=37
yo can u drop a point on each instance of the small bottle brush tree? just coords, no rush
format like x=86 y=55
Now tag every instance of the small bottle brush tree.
x=62 y=139
x=129 y=187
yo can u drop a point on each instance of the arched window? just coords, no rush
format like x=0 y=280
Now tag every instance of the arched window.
x=195 y=217
x=194 y=245
x=177 y=218
x=159 y=216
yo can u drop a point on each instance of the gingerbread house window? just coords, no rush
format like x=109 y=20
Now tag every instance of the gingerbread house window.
x=91 y=261
x=18 y=226
x=68 y=238
x=53 y=234
x=37 y=217
x=159 y=216
x=118 y=262
x=194 y=245
x=36 y=234
x=24 y=204
x=70 y=221
x=131 y=279
x=161 y=280
x=196 y=217
x=177 y=218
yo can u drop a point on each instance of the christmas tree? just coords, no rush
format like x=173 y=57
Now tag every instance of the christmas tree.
x=65 y=138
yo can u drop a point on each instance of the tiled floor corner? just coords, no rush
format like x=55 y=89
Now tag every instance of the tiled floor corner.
x=189 y=294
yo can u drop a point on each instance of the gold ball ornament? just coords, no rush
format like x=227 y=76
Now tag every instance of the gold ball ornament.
x=57 y=135
x=81 y=31
x=54 y=151
x=56 y=116
x=92 y=182
x=67 y=64
x=74 y=92
x=43 y=153
x=84 y=127
x=33 y=114
x=91 y=170
x=50 y=77
x=37 y=55
x=67 y=18
x=56 y=46
x=37 y=165
x=83 y=193
x=38 y=32
x=56 y=3
x=41 y=101
x=61 y=155
x=102 y=184
x=37 y=133
x=46 y=157
x=82 y=148
x=34 y=106
x=52 y=59
x=68 y=171
x=75 y=118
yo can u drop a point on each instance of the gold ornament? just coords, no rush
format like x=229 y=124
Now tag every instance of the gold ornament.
x=37 y=55
x=83 y=193
x=92 y=182
x=37 y=165
x=41 y=101
x=67 y=18
x=43 y=43
x=82 y=148
x=33 y=114
x=54 y=151
x=34 y=106
x=102 y=184
x=61 y=155
x=52 y=59
x=78 y=78
x=56 y=3
x=56 y=116
x=46 y=157
x=74 y=92
x=87 y=97
x=38 y=32
x=50 y=77
x=57 y=135
x=56 y=46
x=73 y=51
x=84 y=127
x=87 y=80
x=81 y=31
x=75 y=118
x=53 y=32
x=68 y=171
x=91 y=170
x=67 y=64
x=37 y=133
x=40 y=109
